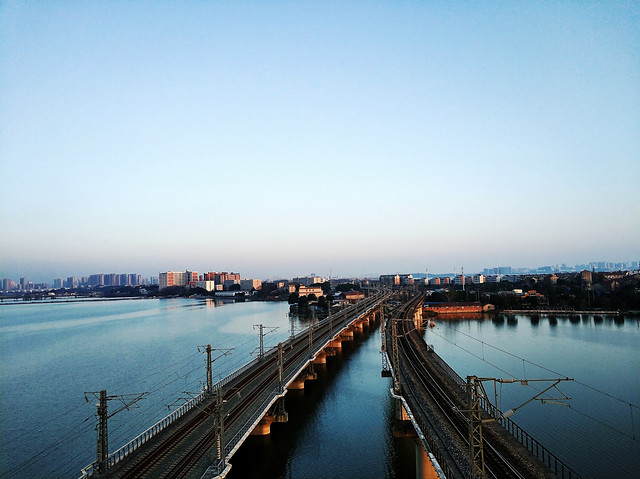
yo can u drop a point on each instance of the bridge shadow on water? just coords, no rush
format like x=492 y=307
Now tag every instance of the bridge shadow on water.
x=309 y=444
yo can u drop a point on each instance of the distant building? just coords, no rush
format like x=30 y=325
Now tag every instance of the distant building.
x=8 y=285
x=353 y=296
x=456 y=308
x=586 y=276
x=308 y=280
x=305 y=290
x=206 y=285
x=176 y=278
x=249 y=284
x=396 y=279
x=479 y=278
x=390 y=279
x=96 y=280
x=462 y=280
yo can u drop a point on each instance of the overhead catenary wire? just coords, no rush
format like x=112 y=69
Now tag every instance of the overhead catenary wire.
x=624 y=401
x=573 y=408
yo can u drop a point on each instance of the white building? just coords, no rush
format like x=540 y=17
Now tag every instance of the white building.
x=249 y=284
x=208 y=285
x=308 y=280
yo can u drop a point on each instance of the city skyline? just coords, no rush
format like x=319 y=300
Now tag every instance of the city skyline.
x=349 y=139
x=117 y=279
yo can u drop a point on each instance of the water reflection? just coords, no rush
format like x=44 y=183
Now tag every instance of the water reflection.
x=512 y=321
x=340 y=425
x=498 y=321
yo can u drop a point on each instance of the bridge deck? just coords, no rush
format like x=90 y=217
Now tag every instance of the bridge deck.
x=436 y=397
x=185 y=443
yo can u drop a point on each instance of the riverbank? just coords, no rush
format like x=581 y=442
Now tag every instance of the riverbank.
x=565 y=311
x=69 y=300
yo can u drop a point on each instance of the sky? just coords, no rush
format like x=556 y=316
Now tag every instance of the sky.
x=348 y=138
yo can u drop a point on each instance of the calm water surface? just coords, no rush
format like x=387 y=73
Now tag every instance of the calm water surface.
x=52 y=353
x=595 y=433
x=339 y=426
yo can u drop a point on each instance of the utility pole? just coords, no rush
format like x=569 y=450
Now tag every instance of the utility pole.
x=476 y=395
x=462 y=277
x=280 y=367
x=262 y=334
x=208 y=349
x=209 y=369
x=219 y=429
x=396 y=356
x=128 y=401
x=385 y=373
x=103 y=438
x=291 y=324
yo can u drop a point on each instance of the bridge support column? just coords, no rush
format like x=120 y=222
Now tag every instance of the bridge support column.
x=281 y=415
x=424 y=466
x=321 y=358
x=401 y=412
x=336 y=343
x=297 y=383
x=264 y=426
x=403 y=426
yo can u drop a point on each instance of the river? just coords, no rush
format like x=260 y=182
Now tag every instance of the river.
x=341 y=425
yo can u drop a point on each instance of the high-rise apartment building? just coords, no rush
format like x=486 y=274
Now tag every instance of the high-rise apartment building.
x=177 y=278
x=7 y=284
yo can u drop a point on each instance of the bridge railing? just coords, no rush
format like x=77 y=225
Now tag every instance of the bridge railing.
x=163 y=423
x=143 y=437
x=537 y=449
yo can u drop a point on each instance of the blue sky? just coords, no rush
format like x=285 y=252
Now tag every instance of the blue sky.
x=283 y=138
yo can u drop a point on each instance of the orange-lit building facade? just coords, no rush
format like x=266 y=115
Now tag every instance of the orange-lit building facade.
x=456 y=308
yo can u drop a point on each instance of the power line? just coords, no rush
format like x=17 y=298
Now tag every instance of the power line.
x=625 y=402
x=609 y=426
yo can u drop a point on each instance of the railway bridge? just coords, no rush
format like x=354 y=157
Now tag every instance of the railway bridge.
x=464 y=435
x=199 y=439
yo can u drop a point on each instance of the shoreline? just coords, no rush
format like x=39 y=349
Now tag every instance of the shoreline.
x=69 y=300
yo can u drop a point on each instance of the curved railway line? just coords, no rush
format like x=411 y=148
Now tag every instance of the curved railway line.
x=441 y=409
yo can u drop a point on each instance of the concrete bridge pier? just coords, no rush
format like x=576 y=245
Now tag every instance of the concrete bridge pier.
x=346 y=335
x=298 y=382
x=403 y=426
x=424 y=466
x=264 y=426
x=321 y=357
x=276 y=414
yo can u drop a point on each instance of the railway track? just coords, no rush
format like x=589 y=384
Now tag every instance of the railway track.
x=443 y=407
x=170 y=457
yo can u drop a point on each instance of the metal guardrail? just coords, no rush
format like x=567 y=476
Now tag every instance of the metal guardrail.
x=118 y=455
x=143 y=437
x=537 y=449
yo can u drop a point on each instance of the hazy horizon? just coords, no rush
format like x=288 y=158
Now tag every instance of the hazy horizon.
x=39 y=277
x=341 y=138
